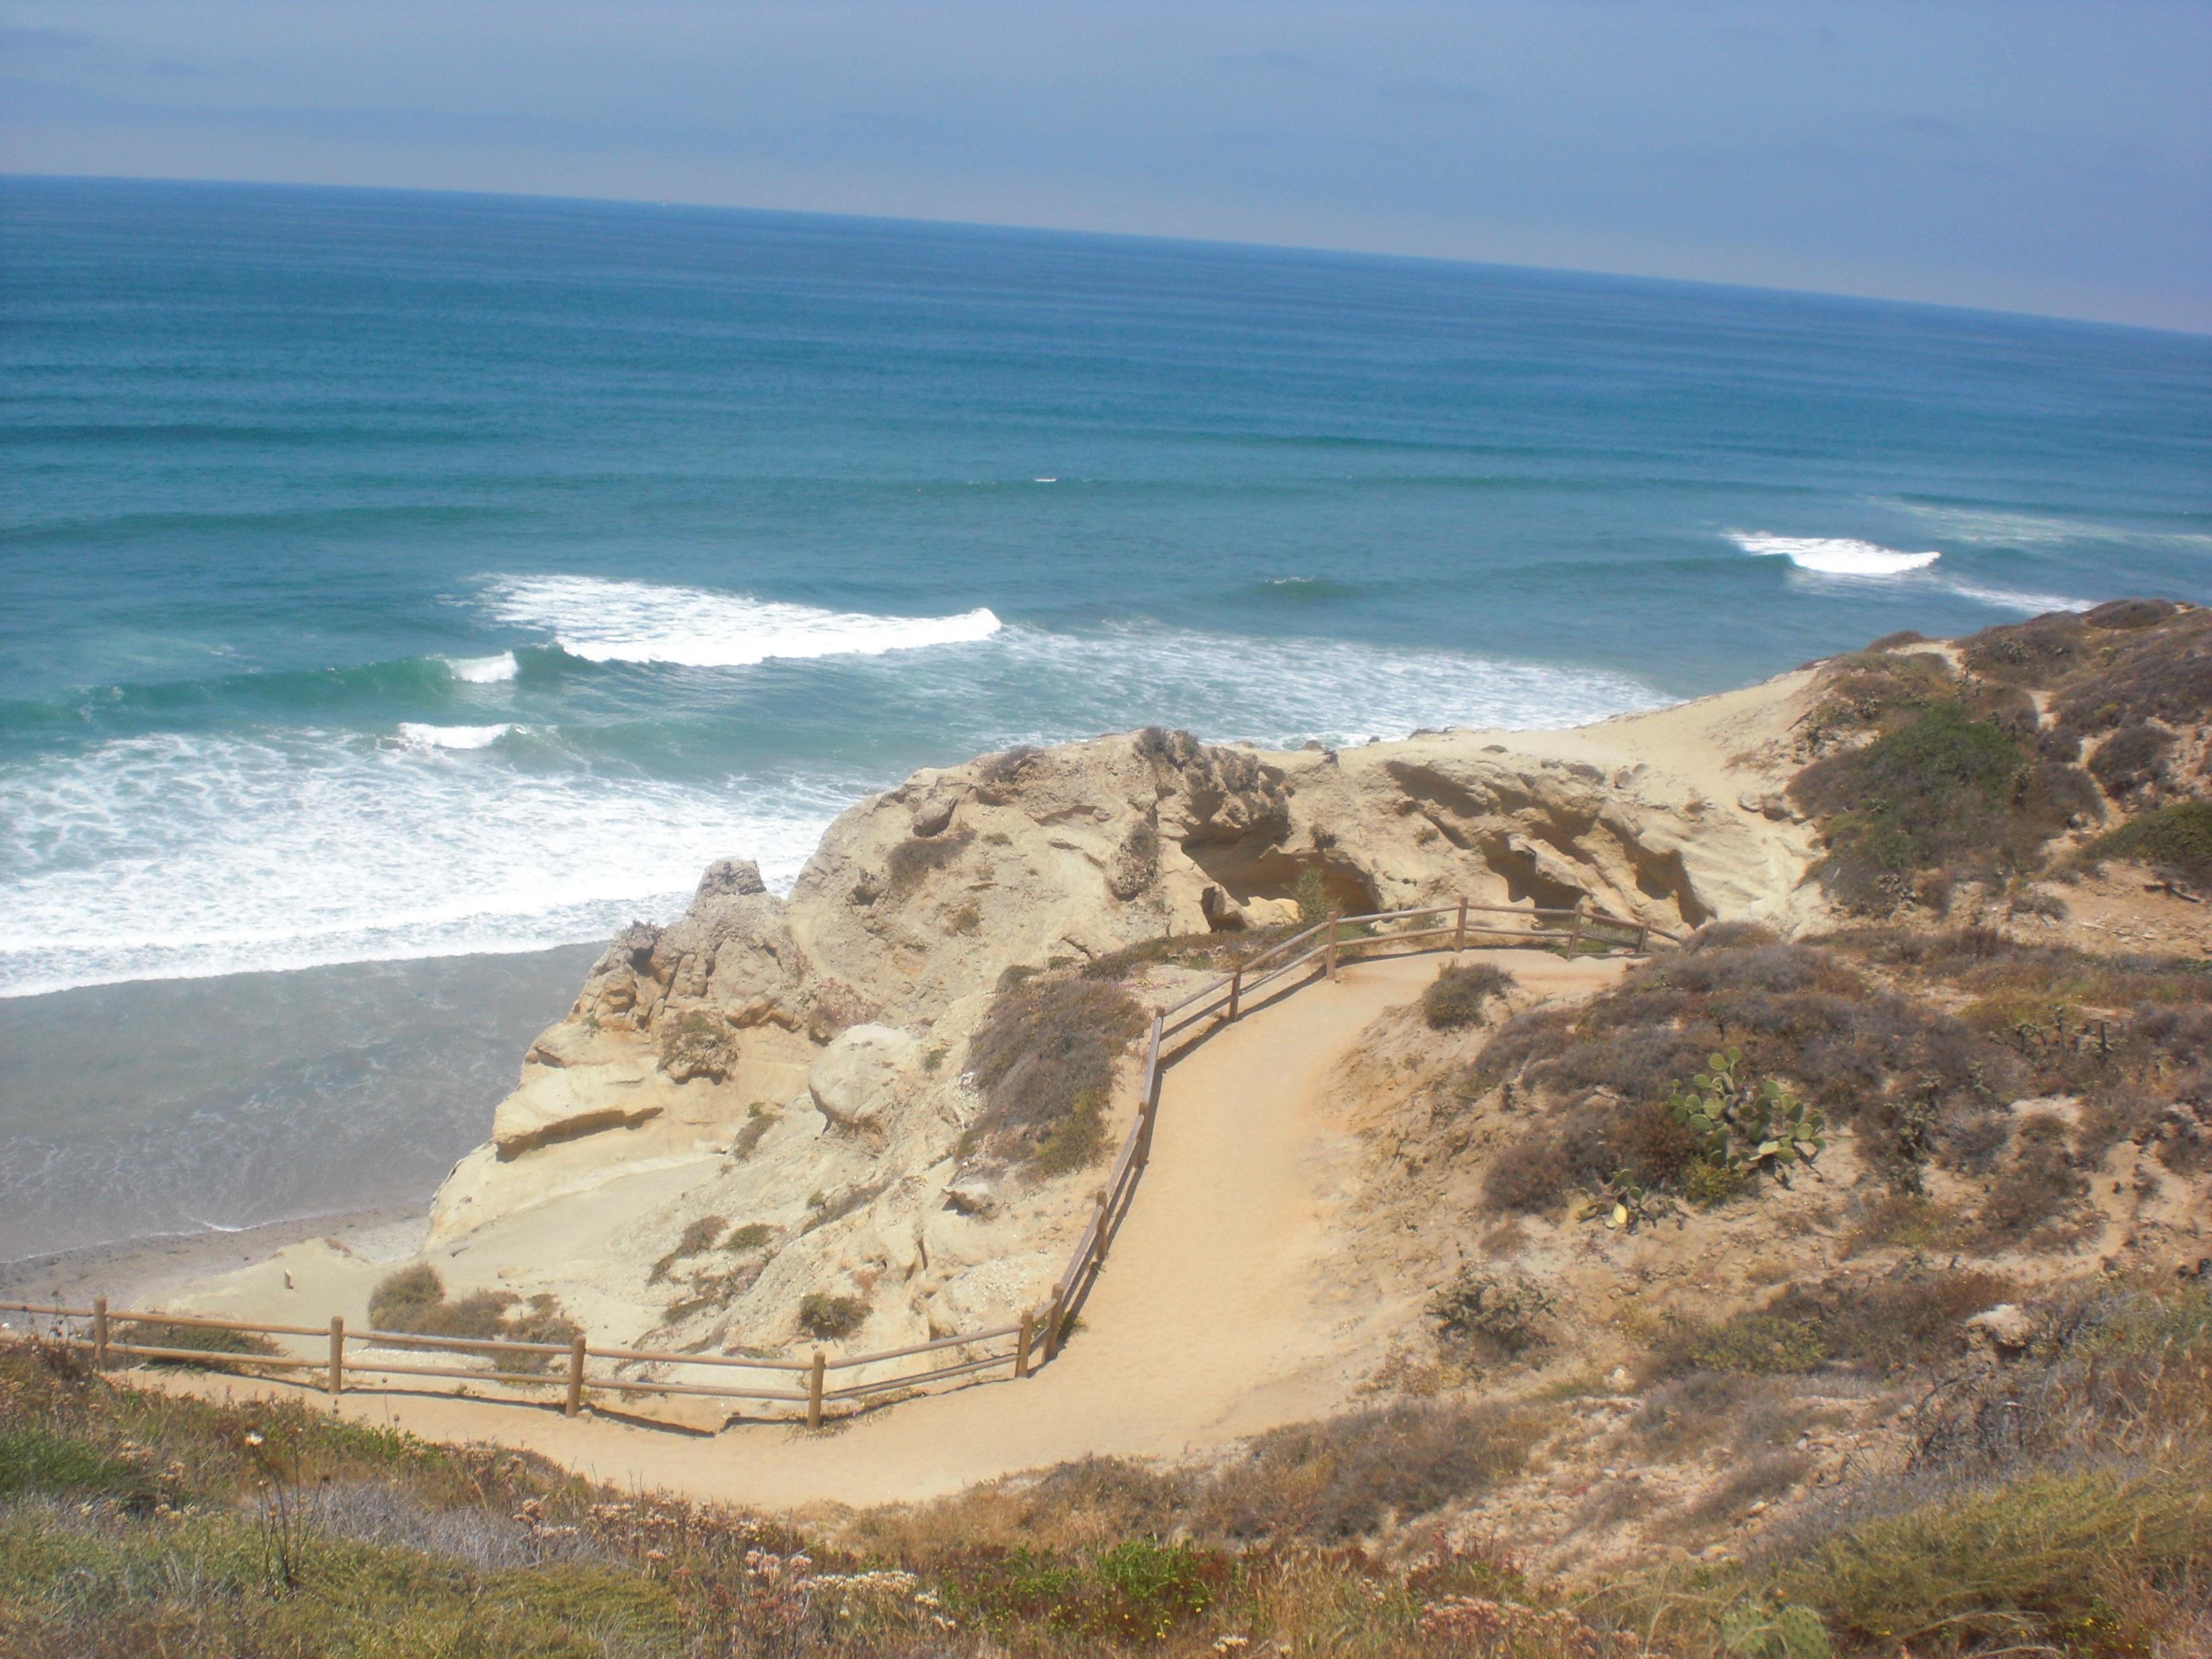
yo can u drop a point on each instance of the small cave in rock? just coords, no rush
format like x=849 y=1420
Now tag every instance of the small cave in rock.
x=1664 y=878
x=1246 y=872
x=1525 y=882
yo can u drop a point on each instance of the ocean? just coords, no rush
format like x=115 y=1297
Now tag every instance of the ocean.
x=393 y=577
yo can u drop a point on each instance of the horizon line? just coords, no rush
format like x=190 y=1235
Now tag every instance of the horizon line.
x=1726 y=285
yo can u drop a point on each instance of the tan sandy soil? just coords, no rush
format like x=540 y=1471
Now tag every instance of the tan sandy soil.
x=1218 y=1315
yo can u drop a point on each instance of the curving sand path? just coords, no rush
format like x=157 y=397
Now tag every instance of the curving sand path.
x=1219 y=1314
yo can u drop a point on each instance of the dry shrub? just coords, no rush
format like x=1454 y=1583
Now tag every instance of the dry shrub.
x=2040 y=1184
x=197 y=1338
x=2130 y=759
x=1044 y=1061
x=697 y=1237
x=1456 y=997
x=412 y=1300
x=827 y=1316
x=918 y=857
x=1687 y=1413
x=2038 y=653
x=1339 y=1479
x=2160 y=672
x=1912 y=1316
x=1577 y=1150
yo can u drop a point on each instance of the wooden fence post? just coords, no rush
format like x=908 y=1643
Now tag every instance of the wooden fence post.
x=1236 y=990
x=1575 y=934
x=99 y=1333
x=1458 y=932
x=574 y=1402
x=1644 y=940
x=1021 y=1342
x=814 y=1389
x=335 y=1381
x=1054 y=1318
x=1330 y=960
x=1148 y=1109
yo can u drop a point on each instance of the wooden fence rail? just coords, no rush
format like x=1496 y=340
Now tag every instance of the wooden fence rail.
x=352 y=1357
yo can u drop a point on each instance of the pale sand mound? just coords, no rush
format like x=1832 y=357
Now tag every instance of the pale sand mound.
x=1225 y=1307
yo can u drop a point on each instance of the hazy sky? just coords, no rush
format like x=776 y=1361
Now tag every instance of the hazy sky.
x=2016 y=154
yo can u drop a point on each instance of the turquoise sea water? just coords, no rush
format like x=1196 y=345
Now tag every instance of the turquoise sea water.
x=389 y=575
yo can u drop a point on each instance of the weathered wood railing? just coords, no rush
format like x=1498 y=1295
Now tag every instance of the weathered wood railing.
x=352 y=1359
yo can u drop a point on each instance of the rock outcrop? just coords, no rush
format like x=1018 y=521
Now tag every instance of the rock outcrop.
x=792 y=1067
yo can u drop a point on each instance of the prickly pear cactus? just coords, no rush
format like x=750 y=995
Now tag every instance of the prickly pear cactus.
x=1769 y=1628
x=1748 y=1126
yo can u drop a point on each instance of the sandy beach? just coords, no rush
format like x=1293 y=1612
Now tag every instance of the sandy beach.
x=174 y=1112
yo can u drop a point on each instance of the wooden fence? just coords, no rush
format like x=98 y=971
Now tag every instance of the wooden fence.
x=360 y=1358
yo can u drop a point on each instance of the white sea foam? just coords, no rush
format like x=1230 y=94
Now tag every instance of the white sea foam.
x=453 y=736
x=1826 y=556
x=650 y=622
x=1985 y=526
x=180 y=855
x=177 y=855
x=1274 y=691
x=484 y=671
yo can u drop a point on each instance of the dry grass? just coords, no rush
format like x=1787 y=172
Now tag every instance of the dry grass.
x=1044 y=1061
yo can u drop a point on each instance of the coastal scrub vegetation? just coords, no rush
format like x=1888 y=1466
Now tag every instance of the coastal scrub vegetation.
x=1923 y=774
x=1917 y=1042
x=2055 y=1505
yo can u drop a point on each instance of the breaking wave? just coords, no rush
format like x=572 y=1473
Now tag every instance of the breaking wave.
x=1833 y=555
x=605 y=621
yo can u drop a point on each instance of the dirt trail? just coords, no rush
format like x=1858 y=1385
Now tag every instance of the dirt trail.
x=1216 y=1315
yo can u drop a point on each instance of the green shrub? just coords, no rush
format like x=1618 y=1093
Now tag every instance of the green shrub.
x=1076 y=1142
x=2035 y=1562
x=1947 y=792
x=753 y=1236
x=1456 y=996
x=34 y=1458
x=2176 y=836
